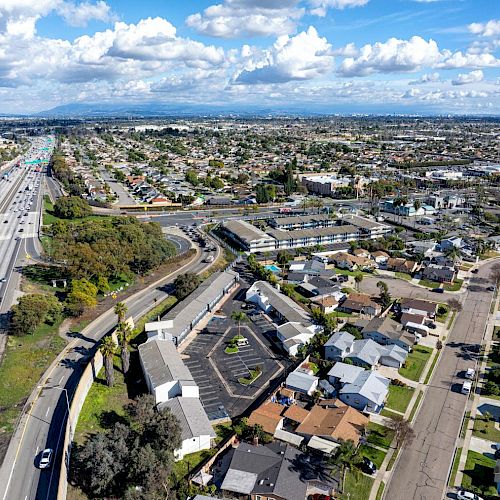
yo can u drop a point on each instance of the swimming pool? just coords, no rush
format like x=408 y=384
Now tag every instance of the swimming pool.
x=273 y=268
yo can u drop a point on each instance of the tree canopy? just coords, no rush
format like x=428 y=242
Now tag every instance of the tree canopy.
x=185 y=284
x=71 y=207
x=32 y=310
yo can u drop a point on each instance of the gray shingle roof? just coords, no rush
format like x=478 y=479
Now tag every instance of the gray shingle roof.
x=191 y=415
x=368 y=351
x=163 y=363
x=344 y=372
x=370 y=385
x=300 y=380
x=341 y=340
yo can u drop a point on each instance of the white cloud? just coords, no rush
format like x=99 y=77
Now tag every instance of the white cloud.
x=243 y=18
x=320 y=7
x=466 y=78
x=426 y=78
x=302 y=57
x=392 y=56
x=467 y=60
x=491 y=28
x=80 y=14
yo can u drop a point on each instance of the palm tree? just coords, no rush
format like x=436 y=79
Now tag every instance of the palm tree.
x=346 y=457
x=108 y=350
x=239 y=317
x=453 y=253
x=121 y=310
x=124 y=333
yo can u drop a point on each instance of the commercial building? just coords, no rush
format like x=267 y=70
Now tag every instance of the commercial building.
x=182 y=318
x=325 y=185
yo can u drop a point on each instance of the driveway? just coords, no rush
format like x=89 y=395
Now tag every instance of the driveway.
x=482 y=446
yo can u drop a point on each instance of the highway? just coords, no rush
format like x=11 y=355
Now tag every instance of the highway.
x=422 y=468
x=20 y=212
x=43 y=426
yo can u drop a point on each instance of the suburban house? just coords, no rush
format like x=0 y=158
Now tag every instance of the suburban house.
x=361 y=252
x=326 y=303
x=196 y=432
x=342 y=373
x=386 y=331
x=416 y=319
x=302 y=380
x=360 y=303
x=440 y=274
x=165 y=374
x=269 y=416
x=401 y=265
x=365 y=353
x=269 y=472
x=450 y=243
x=367 y=393
x=420 y=307
x=293 y=335
x=380 y=257
x=342 y=423
x=351 y=262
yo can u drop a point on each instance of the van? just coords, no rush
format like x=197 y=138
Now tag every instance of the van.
x=466 y=387
x=242 y=342
x=470 y=373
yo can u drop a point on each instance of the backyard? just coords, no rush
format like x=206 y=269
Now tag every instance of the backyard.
x=416 y=362
x=357 y=486
x=399 y=397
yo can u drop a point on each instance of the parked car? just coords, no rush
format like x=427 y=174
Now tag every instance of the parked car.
x=368 y=466
x=470 y=373
x=466 y=387
x=46 y=458
x=491 y=288
x=475 y=271
x=438 y=290
x=467 y=495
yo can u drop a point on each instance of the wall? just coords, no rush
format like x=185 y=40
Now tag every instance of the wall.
x=81 y=391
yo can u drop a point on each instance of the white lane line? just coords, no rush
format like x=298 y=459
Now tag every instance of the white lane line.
x=60 y=380
x=37 y=448
x=47 y=412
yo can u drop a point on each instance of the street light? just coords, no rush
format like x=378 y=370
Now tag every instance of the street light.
x=67 y=398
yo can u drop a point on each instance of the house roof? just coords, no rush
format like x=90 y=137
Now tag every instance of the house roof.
x=344 y=372
x=422 y=305
x=344 y=423
x=412 y=318
x=296 y=413
x=302 y=381
x=163 y=363
x=246 y=231
x=268 y=416
x=365 y=350
x=370 y=385
x=358 y=301
x=191 y=415
x=291 y=330
x=389 y=328
x=394 y=352
x=340 y=340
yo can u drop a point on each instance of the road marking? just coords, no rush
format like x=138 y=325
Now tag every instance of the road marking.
x=60 y=380
x=37 y=448
x=47 y=412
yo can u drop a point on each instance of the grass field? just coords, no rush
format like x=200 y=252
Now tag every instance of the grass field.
x=399 y=397
x=431 y=369
x=374 y=454
x=442 y=312
x=189 y=462
x=454 y=468
x=403 y=276
x=379 y=435
x=478 y=472
x=416 y=362
x=485 y=429
x=25 y=360
x=380 y=491
x=390 y=414
x=357 y=486
x=448 y=287
x=415 y=406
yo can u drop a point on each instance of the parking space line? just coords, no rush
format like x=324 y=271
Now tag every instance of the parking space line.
x=213 y=398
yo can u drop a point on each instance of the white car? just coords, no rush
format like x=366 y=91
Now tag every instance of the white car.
x=467 y=495
x=46 y=458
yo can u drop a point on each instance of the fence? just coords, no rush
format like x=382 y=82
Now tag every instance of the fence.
x=79 y=396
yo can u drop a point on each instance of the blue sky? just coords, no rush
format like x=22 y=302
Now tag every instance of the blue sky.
x=438 y=56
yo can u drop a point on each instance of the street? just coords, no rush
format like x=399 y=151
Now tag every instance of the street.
x=422 y=468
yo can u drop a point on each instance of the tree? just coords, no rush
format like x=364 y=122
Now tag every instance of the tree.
x=403 y=432
x=346 y=457
x=239 y=317
x=71 y=207
x=121 y=310
x=184 y=284
x=32 y=310
x=283 y=257
x=82 y=294
x=384 y=295
x=416 y=205
x=108 y=350
x=455 y=305
x=358 y=278
x=124 y=334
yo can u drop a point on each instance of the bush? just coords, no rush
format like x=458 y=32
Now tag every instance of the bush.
x=32 y=310
x=71 y=207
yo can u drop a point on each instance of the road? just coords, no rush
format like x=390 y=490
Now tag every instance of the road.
x=124 y=197
x=20 y=212
x=43 y=427
x=422 y=469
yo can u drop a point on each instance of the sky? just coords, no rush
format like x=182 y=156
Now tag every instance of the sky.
x=332 y=56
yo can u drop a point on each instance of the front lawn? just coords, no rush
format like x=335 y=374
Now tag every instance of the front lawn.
x=404 y=276
x=399 y=397
x=485 y=428
x=357 y=486
x=448 y=287
x=25 y=360
x=442 y=312
x=478 y=472
x=374 y=454
x=415 y=363
x=379 y=435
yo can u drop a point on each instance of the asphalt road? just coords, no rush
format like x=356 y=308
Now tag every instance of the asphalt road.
x=43 y=427
x=422 y=469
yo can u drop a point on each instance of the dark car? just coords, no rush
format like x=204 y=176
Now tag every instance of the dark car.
x=368 y=466
x=497 y=454
x=475 y=271
x=438 y=290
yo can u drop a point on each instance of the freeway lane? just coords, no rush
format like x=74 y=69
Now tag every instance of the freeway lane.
x=44 y=425
x=422 y=468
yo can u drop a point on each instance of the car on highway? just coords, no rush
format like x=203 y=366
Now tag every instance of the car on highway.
x=467 y=495
x=3 y=280
x=46 y=458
